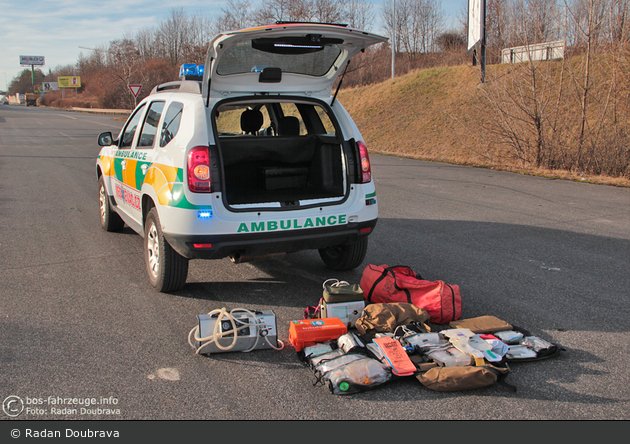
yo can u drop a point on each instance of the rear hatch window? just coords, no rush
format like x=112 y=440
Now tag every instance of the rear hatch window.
x=312 y=60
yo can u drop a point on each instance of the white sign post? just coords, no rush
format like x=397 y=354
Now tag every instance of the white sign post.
x=477 y=33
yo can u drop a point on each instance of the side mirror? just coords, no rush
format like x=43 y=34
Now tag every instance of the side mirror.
x=105 y=139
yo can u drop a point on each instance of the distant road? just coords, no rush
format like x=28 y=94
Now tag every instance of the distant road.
x=78 y=318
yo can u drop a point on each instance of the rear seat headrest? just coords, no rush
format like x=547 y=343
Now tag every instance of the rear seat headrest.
x=251 y=121
x=289 y=126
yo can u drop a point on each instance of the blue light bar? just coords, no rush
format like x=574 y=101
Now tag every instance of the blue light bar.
x=191 y=71
x=188 y=69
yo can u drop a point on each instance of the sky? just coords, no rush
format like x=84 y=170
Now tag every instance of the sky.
x=57 y=29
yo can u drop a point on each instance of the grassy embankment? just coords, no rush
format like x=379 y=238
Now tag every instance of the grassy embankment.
x=439 y=114
x=435 y=115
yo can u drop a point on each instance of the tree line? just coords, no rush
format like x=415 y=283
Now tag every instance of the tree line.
x=512 y=23
x=572 y=114
x=153 y=55
x=416 y=29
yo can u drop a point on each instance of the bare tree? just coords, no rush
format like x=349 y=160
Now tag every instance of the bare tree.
x=358 y=14
x=535 y=21
x=524 y=101
x=201 y=32
x=498 y=26
x=589 y=23
x=172 y=35
x=238 y=14
x=619 y=23
x=145 y=43
x=567 y=114
x=327 y=11
x=416 y=26
x=284 y=10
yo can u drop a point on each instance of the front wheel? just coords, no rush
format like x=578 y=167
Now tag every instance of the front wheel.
x=110 y=220
x=167 y=269
x=345 y=257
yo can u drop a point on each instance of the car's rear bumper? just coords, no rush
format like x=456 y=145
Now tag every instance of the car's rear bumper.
x=267 y=243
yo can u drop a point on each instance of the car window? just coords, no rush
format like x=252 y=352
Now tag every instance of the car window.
x=172 y=119
x=290 y=110
x=130 y=130
x=312 y=118
x=233 y=120
x=255 y=55
x=273 y=119
x=324 y=118
x=150 y=126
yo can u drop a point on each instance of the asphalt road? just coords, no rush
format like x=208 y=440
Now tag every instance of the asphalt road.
x=78 y=318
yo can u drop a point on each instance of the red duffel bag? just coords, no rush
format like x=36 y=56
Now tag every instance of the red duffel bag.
x=383 y=284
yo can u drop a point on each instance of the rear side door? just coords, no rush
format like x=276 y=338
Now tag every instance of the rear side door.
x=134 y=155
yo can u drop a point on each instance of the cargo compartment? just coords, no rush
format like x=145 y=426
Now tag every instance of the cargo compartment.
x=273 y=159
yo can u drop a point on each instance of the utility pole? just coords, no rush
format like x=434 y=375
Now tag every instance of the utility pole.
x=393 y=38
x=483 y=44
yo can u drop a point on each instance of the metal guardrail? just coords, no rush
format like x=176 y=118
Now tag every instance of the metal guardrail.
x=125 y=112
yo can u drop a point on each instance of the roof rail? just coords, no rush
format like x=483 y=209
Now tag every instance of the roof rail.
x=190 y=86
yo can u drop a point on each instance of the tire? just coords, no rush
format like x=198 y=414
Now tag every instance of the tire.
x=110 y=220
x=345 y=257
x=167 y=269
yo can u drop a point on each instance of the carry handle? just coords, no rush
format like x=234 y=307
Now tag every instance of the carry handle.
x=393 y=273
x=337 y=283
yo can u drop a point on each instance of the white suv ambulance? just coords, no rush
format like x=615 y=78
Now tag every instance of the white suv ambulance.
x=247 y=156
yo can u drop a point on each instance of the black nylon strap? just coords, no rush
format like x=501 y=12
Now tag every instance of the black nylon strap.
x=376 y=282
x=383 y=275
x=391 y=270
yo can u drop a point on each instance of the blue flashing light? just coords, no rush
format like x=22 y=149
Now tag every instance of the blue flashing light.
x=188 y=69
x=204 y=214
x=191 y=71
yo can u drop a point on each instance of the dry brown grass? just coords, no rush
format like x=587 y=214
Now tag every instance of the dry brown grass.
x=434 y=115
x=55 y=99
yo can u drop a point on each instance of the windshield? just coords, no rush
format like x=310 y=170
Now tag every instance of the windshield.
x=243 y=57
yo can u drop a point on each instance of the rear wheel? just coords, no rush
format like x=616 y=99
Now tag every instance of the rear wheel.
x=167 y=269
x=345 y=257
x=110 y=220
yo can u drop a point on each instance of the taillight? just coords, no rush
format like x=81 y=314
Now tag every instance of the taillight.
x=199 y=170
x=366 y=168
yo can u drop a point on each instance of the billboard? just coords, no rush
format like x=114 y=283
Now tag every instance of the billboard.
x=69 y=82
x=539 y=51
x=50 y=86
x=31 y=60
x=476 y=22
